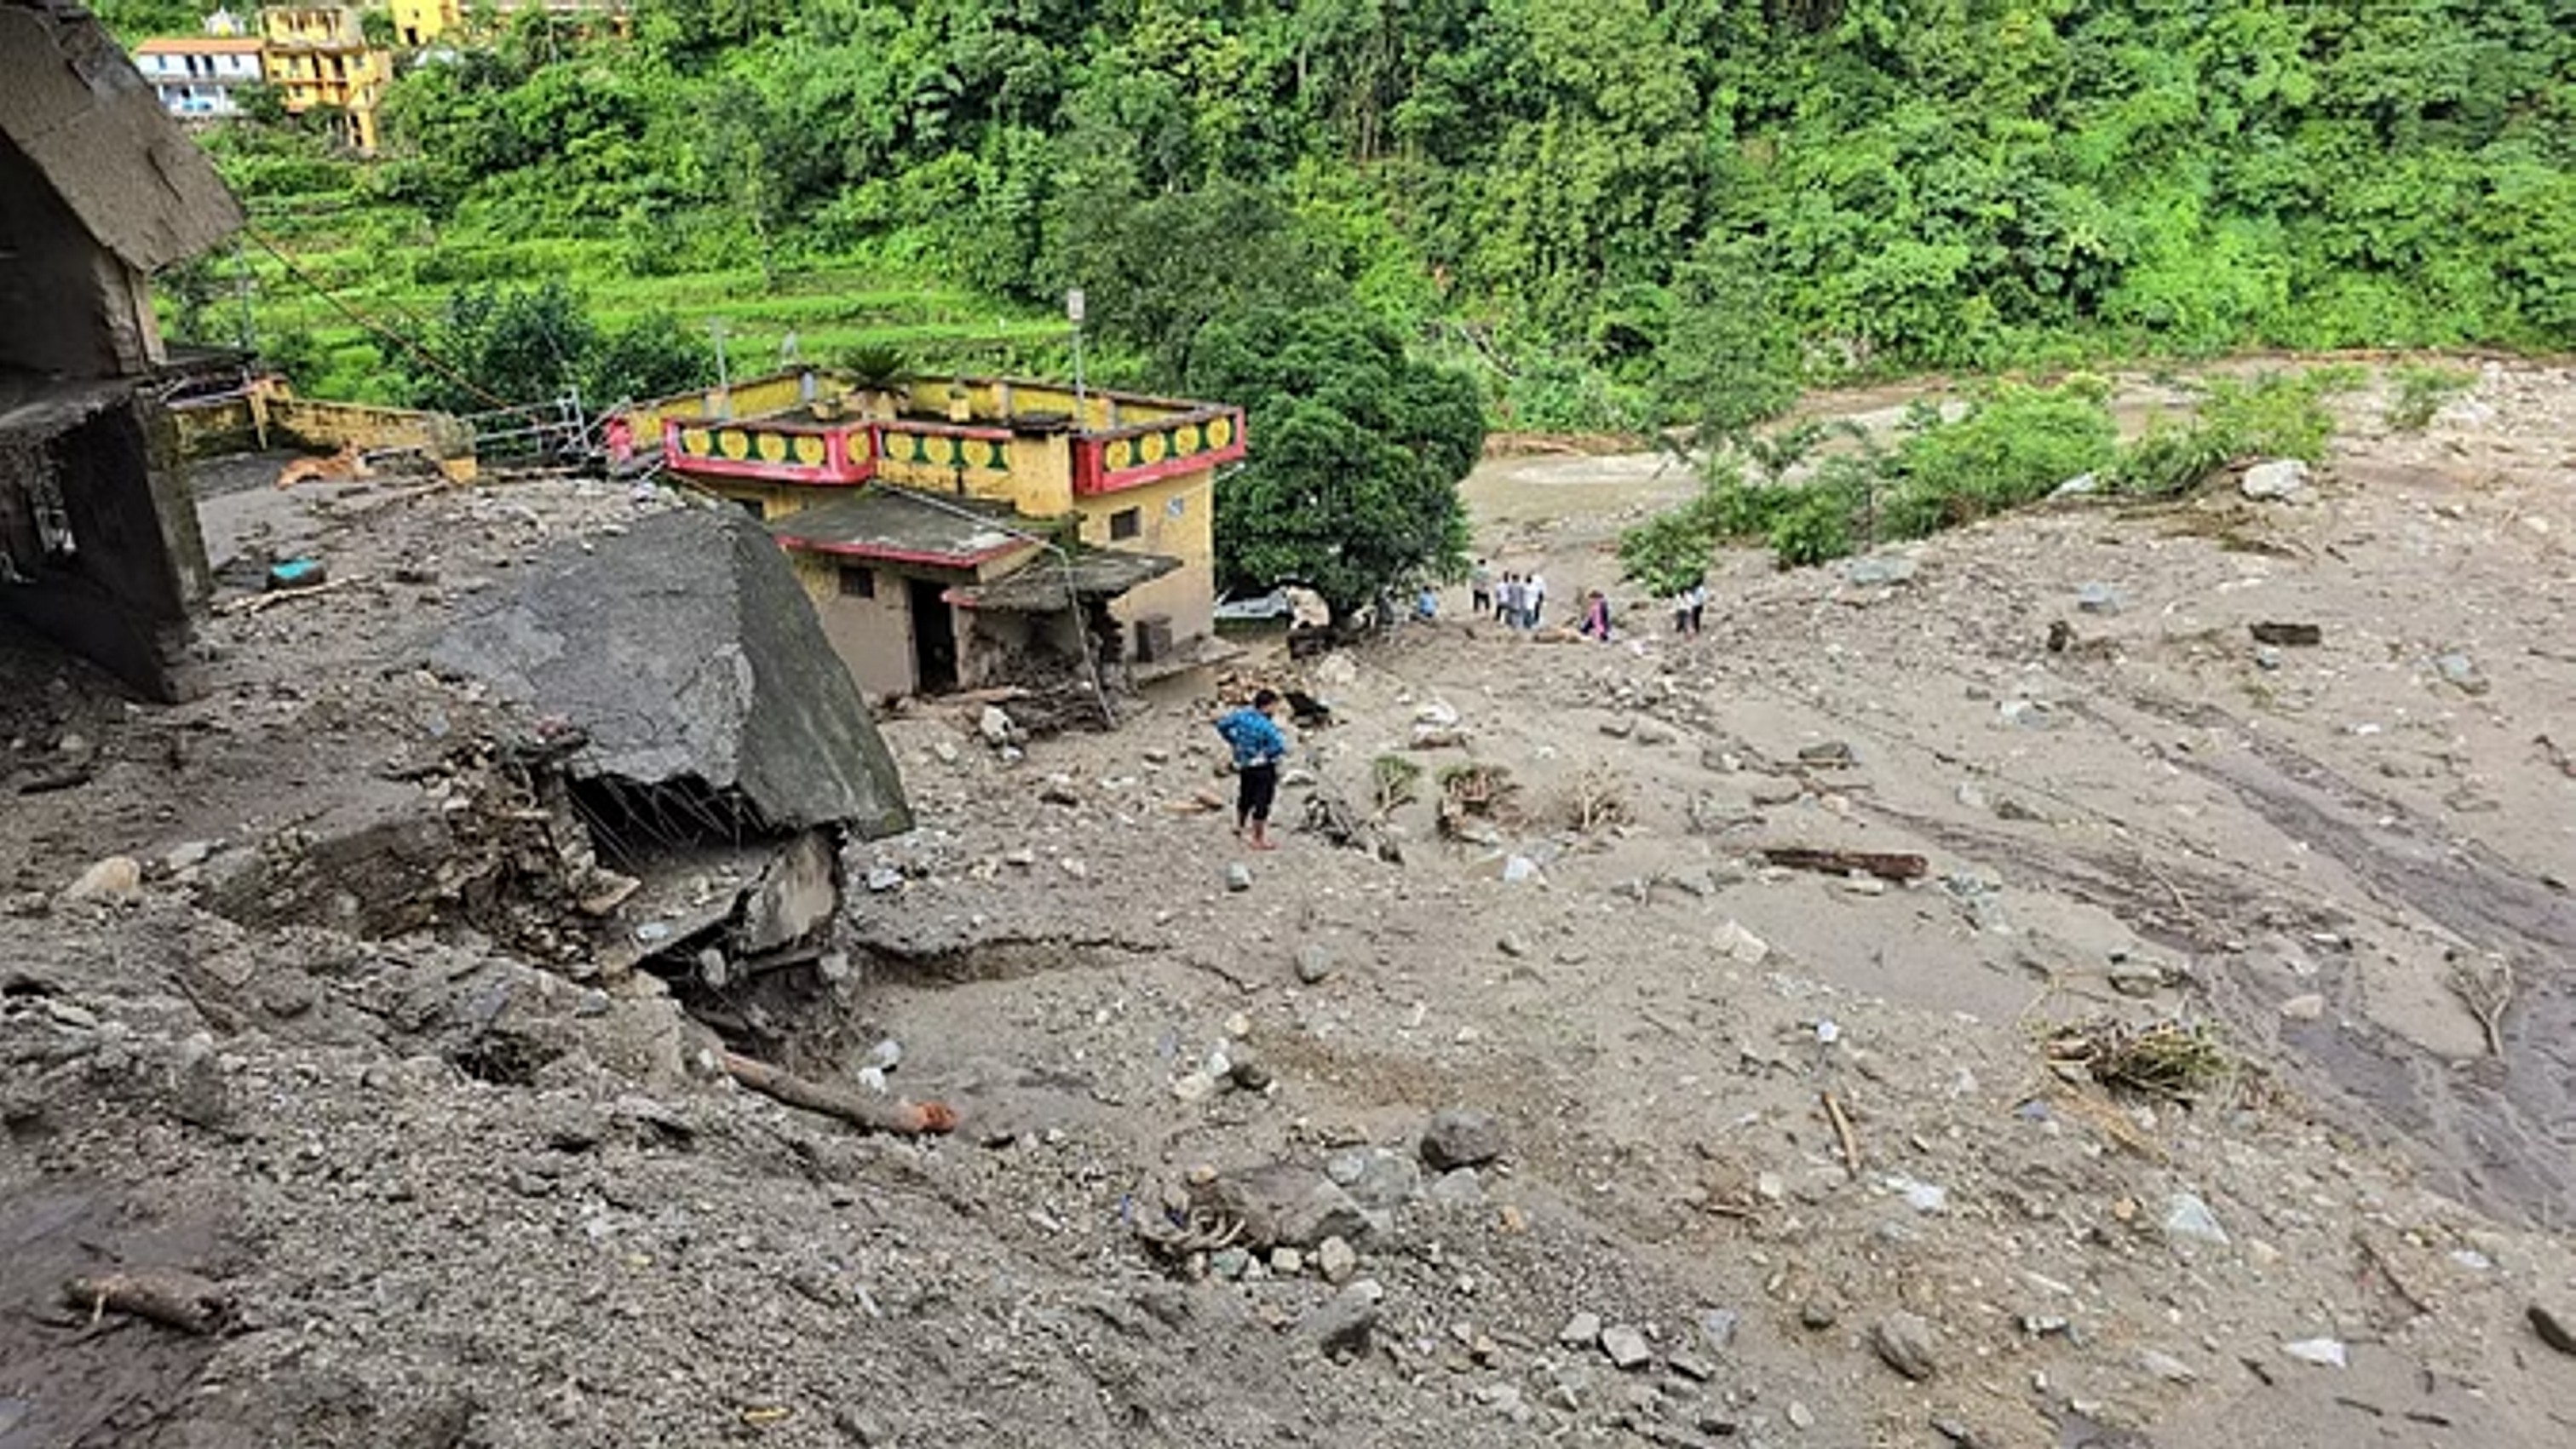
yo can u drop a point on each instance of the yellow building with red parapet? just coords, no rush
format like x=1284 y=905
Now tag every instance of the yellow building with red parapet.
x=948 y=531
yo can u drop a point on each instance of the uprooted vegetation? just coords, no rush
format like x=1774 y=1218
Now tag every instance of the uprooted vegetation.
x=2169 y=1059
x=2010 y=446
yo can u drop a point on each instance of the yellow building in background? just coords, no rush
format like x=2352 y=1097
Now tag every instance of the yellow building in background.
x=317 y=57
x=957 y=533
x=418 y=22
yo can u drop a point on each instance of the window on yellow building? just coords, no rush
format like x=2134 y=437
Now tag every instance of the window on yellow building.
x=1126 y=523
x=857 y=582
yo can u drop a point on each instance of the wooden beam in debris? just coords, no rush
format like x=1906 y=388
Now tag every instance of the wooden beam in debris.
x=873 y=1114
x=1883 y=864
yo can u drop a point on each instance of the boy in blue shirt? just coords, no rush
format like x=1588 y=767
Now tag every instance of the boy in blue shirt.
x=1258 y=746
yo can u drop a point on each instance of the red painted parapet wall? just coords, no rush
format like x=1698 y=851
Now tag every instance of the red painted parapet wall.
x=1124 y=457
x=776 y=452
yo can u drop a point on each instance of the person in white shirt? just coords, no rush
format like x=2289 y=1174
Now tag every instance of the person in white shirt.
x=1536 y=612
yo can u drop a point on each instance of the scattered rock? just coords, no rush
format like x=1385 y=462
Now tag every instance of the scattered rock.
x=2186 y=1216
x=1458 y=1188
x=2132 y=977
x=2303 y=1008
x=996 y=727
x=1513 y=946
x=2323 y=1352
x=2029 y=714
x=2552 y=1329
x=1458 y=1137
x=1238 y=877
x=187 y=855
x=1058 y=790
x=2165 y=1366
x=1314 y=962
x=1583 y=1330
x=1375 y=1178
x=1193 y=1087
x=2303 y=636
x=1831 y=755
x=1904 y=1341
x=1880 y=570
x=1820 y=1312
x=1283 y=1205
x=1800 y=1416
x=2097 y=599
x=1337 y=1260
x=2282 y=479
x=2460 y=672
x=1626 y=1347
x=1775 y=792
x=1740 y=945
x=1341 y=1325
x=115 y=880
x=1618 y=727
x=1717 y=1328
x=2082 y=485
x=1244 y=1068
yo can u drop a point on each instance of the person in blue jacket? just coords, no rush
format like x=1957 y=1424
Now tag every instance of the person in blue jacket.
x=1258 y=747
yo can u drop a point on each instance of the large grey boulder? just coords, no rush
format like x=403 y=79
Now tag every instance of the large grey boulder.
x=688 y=658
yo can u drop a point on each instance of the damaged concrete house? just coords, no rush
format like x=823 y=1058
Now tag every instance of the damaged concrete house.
x=635 y=757
x=956 y=534
x=99 y=549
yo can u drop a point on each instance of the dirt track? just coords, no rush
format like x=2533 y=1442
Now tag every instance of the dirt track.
x=2160 y=819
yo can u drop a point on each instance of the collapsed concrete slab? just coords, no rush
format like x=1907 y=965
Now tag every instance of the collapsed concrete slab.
x=640 y=751
x=711 y=748
x=690 y=661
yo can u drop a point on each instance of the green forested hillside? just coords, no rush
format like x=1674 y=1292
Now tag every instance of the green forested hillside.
x=1608 y=210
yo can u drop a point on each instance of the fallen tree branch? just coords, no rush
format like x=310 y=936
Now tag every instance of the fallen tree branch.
x=870 y=1114
x=2486 y=988
x=167 y=1296
x=1883 y=864
x=1843 y=1133
x=255 y=603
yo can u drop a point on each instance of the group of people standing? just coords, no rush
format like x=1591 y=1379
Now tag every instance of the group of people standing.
x=1515 y=600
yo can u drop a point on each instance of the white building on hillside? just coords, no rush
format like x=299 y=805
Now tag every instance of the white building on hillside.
x=197 y=76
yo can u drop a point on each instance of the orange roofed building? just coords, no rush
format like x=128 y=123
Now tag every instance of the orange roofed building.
x=958 y=534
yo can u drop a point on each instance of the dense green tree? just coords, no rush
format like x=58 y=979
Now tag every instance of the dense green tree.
x=1351 y=487
x=1631 y=210
x=511 y=346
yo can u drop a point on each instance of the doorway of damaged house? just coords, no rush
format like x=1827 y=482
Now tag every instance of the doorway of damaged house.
x=934 y=636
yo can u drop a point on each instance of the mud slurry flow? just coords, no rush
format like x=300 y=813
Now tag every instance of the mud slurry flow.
x=1782 y=1157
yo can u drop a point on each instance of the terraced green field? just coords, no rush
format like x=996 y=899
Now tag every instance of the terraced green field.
x=342 y=286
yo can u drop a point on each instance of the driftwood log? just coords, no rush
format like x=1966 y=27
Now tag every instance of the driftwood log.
x=1883 y=864
x=167 y=1296
x=873 y=1114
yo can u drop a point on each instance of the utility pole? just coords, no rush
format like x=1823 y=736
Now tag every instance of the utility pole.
x=724 y=386
x=241 y=290
x=1081 y=399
